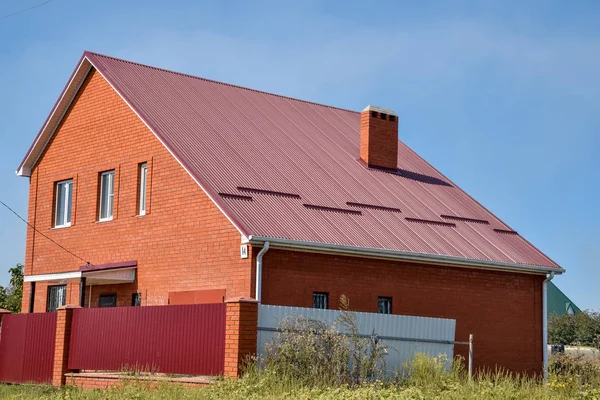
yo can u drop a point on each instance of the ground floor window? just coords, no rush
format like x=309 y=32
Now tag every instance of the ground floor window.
x=107 y=300
x=320 y=300
x=57 y=297
x=136 y=299
x=384 y=305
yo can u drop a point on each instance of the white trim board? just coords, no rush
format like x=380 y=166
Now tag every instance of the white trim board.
x=52 y=277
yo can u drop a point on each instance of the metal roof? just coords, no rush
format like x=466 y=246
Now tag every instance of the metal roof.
x=285 y=168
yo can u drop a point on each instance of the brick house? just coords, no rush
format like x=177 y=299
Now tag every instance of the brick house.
x=169 y=189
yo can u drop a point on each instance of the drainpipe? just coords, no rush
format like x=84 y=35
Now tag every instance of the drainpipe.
x=545 y=322
x=259 y=258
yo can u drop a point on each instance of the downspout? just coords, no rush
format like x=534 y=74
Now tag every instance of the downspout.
x=545 y=322
x=259 y=258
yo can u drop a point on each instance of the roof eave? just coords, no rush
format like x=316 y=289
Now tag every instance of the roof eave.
x=387 y=254
x=55 y=117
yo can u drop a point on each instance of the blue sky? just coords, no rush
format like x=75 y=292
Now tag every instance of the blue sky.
x=502 y=97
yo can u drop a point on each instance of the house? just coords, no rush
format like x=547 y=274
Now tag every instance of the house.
x=559 y=303
x=164 y=188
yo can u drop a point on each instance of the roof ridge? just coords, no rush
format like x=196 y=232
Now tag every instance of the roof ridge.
x=219 y=82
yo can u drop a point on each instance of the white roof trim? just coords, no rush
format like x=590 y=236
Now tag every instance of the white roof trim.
x=55 y=117
x=52 y=277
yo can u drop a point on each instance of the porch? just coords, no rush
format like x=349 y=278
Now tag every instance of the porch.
x=90 y=286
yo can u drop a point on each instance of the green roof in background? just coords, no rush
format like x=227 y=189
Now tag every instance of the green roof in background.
x=558 y=302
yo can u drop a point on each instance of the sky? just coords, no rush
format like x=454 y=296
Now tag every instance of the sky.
x=501 y=97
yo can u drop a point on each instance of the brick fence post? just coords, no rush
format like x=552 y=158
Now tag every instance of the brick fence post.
x=61 y=344
x=240 y=333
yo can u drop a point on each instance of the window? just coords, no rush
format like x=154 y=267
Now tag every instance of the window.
x=384 y=305
x=64 y=202
x=107 y=186
x=57 y=297
x=136 y=299
x=107 y=300
x=320 y=300
x=143 y=178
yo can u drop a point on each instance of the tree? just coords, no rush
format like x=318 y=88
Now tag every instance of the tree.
x=11 y=296
x=581 y=329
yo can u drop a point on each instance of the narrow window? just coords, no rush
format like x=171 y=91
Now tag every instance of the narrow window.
x=320 y=300
x=143 y=179
x=57 y=297
x=64 y=203
x=107 y=186
x=136 y=299
x=384 y=305
x=107 y=300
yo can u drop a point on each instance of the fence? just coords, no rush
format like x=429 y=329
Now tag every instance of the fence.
x=27 y=348
x=184 y=339
x=403 y=335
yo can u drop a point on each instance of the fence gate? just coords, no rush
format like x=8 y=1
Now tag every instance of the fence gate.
x=403 y=335
x=27 y=348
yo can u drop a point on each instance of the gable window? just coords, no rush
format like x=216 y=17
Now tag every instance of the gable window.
x=107 y=300
x=57 y=297
x=64 y=203
x=143 y=179
x=320 y=300
x=107 y=190
x=384 y=305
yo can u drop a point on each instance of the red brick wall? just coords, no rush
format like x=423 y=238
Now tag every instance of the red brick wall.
x=183 y=243
x=502 y=310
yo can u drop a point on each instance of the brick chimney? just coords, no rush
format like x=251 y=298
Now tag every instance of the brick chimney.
x=379 y=137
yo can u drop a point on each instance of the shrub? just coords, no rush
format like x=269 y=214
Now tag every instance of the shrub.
x=581 y=329
x=314 y=354
x=574 y=372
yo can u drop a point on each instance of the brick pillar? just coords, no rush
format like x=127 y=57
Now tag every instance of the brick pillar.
x=61 y=344
x=240 y=333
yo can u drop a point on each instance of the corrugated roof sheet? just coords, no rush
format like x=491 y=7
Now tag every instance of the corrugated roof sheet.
x=285 y=153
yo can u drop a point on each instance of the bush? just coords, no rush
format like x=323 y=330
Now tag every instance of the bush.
x=574 y=373
x=581 y=329
x=310 y=353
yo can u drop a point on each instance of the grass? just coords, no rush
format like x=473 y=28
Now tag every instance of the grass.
x=427 y=378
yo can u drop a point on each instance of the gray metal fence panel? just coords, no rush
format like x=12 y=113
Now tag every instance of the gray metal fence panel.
x=404 y=336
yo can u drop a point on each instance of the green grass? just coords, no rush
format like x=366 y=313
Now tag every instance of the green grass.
x=427 y=378
x=485 y=389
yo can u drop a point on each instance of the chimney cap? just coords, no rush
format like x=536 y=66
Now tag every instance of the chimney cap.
x=380 y=110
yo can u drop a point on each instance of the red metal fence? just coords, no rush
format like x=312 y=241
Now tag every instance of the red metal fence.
x=182 y=339
x=27 y=348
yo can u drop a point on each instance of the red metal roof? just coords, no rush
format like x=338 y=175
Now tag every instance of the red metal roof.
x=106 y=267
x=286 y=168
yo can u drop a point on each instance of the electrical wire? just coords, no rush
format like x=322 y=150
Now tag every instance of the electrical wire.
x=35 y=229
x=26 y=9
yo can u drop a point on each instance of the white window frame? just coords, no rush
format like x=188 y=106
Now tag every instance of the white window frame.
x=110 y=194
x=143 y=187
x=67 y=204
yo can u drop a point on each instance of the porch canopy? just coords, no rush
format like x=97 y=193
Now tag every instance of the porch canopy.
x=101 y=274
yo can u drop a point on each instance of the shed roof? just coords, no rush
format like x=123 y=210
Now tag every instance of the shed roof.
x=288 y=169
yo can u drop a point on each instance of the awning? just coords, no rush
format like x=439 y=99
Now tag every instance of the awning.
x=102 y=274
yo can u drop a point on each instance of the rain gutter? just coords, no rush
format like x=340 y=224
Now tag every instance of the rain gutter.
x=369 y=252
x=545 y=322
x=259 y=264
